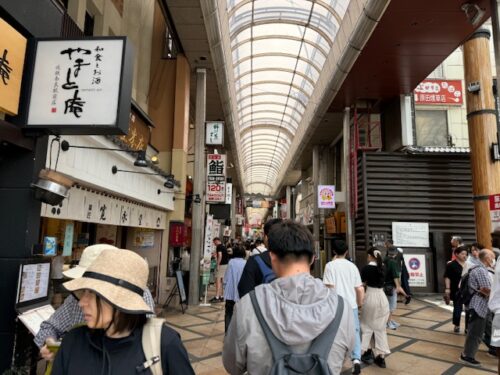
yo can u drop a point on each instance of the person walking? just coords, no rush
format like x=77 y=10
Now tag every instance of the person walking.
x=222 y=259
x=292 y=312
x=231 y=279
x=452 y=277
x=392 y=285
x=480 y=287
x=375 y=312
x=344 y=276
x=494 y=307
x=110 y=295
x=69 y=314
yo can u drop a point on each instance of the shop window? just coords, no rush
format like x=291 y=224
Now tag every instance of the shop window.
x=431 y=128
x=88 y=28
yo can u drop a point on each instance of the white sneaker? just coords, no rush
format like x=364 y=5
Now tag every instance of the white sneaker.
x=396 y=324
x=391 y=325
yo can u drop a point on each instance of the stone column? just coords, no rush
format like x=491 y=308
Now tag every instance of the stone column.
x=198 y=187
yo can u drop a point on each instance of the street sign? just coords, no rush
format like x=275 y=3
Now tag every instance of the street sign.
x=216 y=178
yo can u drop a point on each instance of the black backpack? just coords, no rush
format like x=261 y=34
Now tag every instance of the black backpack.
x=464 y=292
x=314 y=361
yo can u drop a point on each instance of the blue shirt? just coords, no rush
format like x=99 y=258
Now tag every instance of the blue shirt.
x=232 y=278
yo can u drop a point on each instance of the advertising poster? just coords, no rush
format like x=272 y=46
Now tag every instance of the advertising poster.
x=144 y=238
x=68 y=239
x=216 y=178
x=326 y=196
x=49 y=246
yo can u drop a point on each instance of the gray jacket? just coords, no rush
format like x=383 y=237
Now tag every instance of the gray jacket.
x=297 y=309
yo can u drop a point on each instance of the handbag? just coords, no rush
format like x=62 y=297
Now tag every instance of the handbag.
x=388 y=289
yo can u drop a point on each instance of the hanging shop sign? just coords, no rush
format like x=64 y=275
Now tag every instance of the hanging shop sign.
x=81 y=86
x=495 y=212
x=207 y=246
x=229 y=193
x=216 y=178
x=440 y=92
x=326 y=196
x=416 y=266
x=410 y=234
x=95 y=207
x=139 y=132
x=12 y=52
x=214 y=133
x=177 y=236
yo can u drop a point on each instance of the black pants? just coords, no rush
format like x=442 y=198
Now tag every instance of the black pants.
x=229 y=313
x=457 y=312
x=405 y=280
x=475 y=333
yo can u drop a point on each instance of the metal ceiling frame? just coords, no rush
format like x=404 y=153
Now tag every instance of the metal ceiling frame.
x=290 y=135
x=272 y=82
x=274 y=93
x=330 y=9
x=277 y=54
x=287 y=37
x=270 y=112
x=262 y=70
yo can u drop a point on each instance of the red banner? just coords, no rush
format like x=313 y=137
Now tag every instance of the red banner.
x=177 y=235
x=439 y=92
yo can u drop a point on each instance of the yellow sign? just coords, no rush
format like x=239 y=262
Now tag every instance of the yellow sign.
x=12 y=51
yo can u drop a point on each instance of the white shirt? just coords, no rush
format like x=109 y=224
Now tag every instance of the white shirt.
x=345 y=277
x=494 y=301
x=185 y=260
x=259 y=250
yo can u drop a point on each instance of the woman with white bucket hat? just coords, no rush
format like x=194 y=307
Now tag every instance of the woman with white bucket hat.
x=110 y=296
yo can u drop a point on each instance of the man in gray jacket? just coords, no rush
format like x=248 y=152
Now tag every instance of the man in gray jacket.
x=296 y=306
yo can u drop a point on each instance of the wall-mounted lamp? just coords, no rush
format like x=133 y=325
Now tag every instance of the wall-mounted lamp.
x=170 y=183
x=155 y=159
x=139 y=162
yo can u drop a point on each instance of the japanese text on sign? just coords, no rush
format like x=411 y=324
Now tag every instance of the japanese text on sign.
x=216 y=178
x=441 y=92
x=495 y=211
x=76 y=82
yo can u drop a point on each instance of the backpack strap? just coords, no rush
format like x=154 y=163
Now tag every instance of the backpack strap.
x=278 y=349
x=322 y=345
x=151 y=345
x=264 y=268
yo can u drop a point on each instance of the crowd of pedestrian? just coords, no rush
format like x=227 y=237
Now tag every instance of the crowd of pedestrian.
x=278 y=317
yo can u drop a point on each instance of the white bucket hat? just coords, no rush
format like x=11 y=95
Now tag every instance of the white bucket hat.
x=89 y=254
x=120 y=277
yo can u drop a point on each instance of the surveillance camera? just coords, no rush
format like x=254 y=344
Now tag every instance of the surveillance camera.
x=49 y=192
x=473 y=13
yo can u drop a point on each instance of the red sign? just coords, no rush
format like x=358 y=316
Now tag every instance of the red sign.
x=439 y=92
x=177 y=234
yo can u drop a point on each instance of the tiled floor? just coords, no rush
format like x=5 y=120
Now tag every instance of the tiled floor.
x=424 y=344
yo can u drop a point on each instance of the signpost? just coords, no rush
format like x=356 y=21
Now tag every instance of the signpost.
x=216 y=178
x=326 y=196
x=81 y=86
x=214 y=133
x=439 y=92
x=410 y=234
x=415 y=263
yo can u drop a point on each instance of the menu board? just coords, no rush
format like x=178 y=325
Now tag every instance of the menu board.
x=34 y=318
x=33 y=282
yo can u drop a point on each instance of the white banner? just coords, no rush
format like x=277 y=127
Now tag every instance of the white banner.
x=229 y=193
x=94 y=207
x=207 y=248
x=410 y=234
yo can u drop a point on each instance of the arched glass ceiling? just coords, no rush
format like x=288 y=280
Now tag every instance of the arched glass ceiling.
x=278 y=50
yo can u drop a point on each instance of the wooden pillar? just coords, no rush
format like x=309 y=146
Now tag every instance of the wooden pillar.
x=481 y=118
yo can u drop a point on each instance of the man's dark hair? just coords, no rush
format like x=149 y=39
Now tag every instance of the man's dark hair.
x=459 y=249
x=290 y=240
x=390 y=242
x=477 y=245
x=239 y=251
x=339 y=247
x=269 y=224
x=216 y=239
x=258 y=243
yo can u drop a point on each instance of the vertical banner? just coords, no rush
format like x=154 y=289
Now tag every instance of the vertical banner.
x=207 y=248
x=229 y=193
x=216 y=178
x=68 y=239
x=495 y=212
